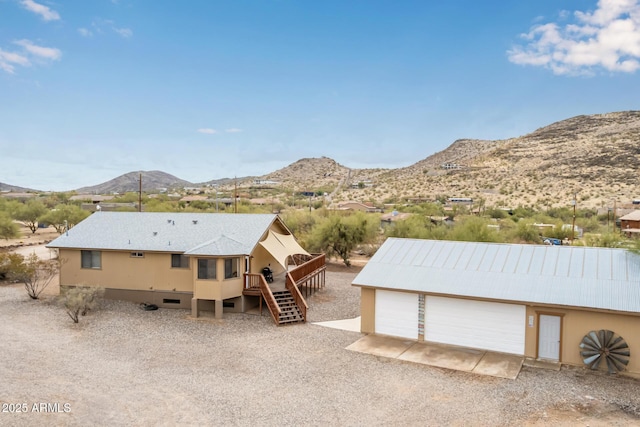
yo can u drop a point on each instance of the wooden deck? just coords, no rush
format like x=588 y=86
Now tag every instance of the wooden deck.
x=306 y=277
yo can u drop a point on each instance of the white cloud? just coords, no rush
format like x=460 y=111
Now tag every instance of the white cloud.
x=9 y=60
x=207 y=131
x=100 y=26
x=85 y=32
x=123 y=32
x=605 y=39
x=30 y=53
x=44 y=11
x=40 y=51
x=233 y=130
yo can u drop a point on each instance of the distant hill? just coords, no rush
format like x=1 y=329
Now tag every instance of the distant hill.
x=310 y=172
x=152 y=181
x=595 y=157
x=16 y=189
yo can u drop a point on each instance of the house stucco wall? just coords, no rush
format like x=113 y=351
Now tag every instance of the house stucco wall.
x=121 y=271
x=220 y=288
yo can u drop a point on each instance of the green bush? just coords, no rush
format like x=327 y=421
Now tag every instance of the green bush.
x=78 y=300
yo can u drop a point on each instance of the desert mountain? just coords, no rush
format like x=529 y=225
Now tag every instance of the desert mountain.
x=311 y=173
x=594 y=157
x=152 y=181
x=14 y=188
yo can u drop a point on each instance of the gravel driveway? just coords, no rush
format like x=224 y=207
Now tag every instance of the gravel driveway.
x=125 y=366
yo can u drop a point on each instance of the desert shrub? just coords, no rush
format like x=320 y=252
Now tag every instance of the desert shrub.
x=496 y=213
x=79 y=300
x=36 y=274
x=8 y=229
x=414 y=227
x=9 y=262
x=64 y=216
x=589 y=225
x=29 y=213
x=339 y=235
x=605 y=240
x=301 y=223
x=525 y=231
x=475 y=229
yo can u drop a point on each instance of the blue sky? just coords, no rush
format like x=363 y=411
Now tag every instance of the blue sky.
x=210 y=89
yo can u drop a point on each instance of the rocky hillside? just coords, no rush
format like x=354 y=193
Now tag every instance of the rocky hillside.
x=14 y=188
x=152 y=181
x=596 y=157
x=311 y=173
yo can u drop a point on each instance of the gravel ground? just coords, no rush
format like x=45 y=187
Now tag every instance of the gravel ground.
x=125 y=366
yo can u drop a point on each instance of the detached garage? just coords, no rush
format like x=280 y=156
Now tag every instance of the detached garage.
x=563 y=304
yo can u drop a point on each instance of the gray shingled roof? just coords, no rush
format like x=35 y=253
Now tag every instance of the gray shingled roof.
x=189 y=233
x=577 y=276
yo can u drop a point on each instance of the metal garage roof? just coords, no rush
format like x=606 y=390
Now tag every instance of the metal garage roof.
x=577 y=276
x=189 y=233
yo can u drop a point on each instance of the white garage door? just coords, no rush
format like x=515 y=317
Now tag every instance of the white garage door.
x=397 y=314
x=486 y=325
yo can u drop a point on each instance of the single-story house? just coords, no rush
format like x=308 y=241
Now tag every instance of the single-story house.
x=630 y=223
x=201 y=261
x=531 y=300
x=357 y=206
x=93 y=198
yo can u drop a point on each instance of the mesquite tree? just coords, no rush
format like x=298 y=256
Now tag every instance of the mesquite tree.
x=36 y=274
x=79 y=300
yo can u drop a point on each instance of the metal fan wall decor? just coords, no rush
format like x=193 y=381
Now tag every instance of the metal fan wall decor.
x=605 y=345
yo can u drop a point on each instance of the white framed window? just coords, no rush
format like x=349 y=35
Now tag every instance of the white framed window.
x=91 y=259
x=207 y=269
x=231 y=267
x=137 y=254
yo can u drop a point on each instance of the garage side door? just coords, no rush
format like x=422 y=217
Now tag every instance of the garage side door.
x=397 y=314
x=478 y=324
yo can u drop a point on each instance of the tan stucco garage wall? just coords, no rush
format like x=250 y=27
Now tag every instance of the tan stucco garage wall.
x=367 y=310
x=577 y=323
x=121 y=271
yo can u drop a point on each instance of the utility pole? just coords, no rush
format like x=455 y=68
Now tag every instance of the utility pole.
x=573 y=224
x=140 y=194
x=235 y=196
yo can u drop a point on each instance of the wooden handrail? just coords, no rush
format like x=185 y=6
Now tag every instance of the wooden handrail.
x=304 y=270
x=297 y=296
x=256 y=281
x=270 y=299
x=252 y=281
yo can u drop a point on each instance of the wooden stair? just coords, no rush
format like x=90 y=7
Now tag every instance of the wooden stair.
x=289 y=311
